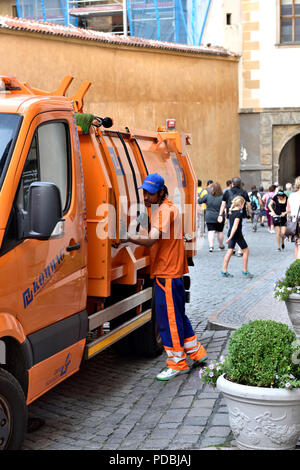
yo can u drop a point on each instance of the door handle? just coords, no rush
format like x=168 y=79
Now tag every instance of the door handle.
x=73 y=247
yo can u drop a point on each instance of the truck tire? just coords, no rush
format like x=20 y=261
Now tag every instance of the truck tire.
x=146 y=340
x=13 y=412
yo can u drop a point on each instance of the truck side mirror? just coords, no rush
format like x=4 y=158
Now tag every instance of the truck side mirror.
x=44 y=211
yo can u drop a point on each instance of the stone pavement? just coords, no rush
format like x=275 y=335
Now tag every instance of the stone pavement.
x=114 y=402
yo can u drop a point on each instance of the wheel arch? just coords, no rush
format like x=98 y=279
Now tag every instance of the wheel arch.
x=15 y=349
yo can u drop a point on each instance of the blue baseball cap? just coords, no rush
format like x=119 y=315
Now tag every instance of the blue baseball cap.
x=153 y=183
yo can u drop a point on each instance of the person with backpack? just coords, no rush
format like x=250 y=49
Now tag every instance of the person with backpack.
x=227 y=199
x=256 y=204
x=269 y=195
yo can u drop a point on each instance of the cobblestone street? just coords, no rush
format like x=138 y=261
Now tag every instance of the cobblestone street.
x=115 y=403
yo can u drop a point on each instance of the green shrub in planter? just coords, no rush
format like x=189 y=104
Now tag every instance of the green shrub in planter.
x=290 y=284
x=262 y=353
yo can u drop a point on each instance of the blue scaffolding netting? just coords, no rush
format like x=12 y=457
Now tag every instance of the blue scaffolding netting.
x=180 y=21
x=51 y=11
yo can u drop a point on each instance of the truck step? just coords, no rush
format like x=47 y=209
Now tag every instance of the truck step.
x=99 y=318
x=98 y=345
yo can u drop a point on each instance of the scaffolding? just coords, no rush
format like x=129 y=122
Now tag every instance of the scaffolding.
x=179 y=21
x=51 y=11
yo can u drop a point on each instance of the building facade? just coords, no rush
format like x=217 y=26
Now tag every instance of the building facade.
x=138 y=82
x=267 y=35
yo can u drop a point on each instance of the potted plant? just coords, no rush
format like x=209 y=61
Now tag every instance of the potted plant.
x=288 y=290
x=260 y=381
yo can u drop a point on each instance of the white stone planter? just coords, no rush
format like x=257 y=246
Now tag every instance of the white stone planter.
x=262 y=418
x=293 y=308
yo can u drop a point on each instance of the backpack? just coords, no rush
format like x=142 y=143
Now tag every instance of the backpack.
x=268 y=198
x=254 y=202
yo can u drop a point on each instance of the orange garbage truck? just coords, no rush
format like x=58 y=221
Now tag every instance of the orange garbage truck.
x=68 y=287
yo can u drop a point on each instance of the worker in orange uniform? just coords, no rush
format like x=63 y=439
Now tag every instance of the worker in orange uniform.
x=167 y=266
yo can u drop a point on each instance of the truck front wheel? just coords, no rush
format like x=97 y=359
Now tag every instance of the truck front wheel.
x=13 y=412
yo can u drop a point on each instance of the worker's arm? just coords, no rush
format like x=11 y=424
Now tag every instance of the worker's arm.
x=148 y=241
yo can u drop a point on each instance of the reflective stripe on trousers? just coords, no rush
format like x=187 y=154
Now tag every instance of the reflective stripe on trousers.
x=175 y=329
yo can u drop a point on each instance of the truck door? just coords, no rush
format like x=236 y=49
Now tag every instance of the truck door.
x=52 y=277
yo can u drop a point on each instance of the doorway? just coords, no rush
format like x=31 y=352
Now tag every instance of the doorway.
x=289 y=161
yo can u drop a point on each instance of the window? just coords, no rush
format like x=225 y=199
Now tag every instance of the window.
x=228 y=18
x=289 y=21
x=9 y=129
x=48 y=161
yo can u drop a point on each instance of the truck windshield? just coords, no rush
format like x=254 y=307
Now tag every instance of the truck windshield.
x=9 y=127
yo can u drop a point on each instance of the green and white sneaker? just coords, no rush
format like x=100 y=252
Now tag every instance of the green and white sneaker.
x=169 y=374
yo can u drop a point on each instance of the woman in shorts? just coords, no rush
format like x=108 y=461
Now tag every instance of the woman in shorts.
x=278 y=210
x=235 y=235
x=213 y=202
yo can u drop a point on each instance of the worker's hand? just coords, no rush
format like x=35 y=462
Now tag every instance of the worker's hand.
x=220 y=218
x=143 y=220
x=228 y=240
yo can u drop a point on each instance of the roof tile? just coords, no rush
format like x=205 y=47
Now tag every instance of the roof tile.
x=21 y=24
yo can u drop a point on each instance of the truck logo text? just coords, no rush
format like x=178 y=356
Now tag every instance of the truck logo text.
x=39 y=283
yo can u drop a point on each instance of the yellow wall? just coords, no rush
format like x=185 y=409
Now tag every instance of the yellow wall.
x=140 y=88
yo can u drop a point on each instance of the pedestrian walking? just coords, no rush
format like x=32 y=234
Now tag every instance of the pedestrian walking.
x=262 y=214
x=235 y=235
x=293 y=205
x=168 y=264
x=256 y=204
x=201 y=209
x=278 y=210
x=209 y=185
x=213 y=202
x=288 y=189
x=227 y=199
x=269 y=195
x=228 y=185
